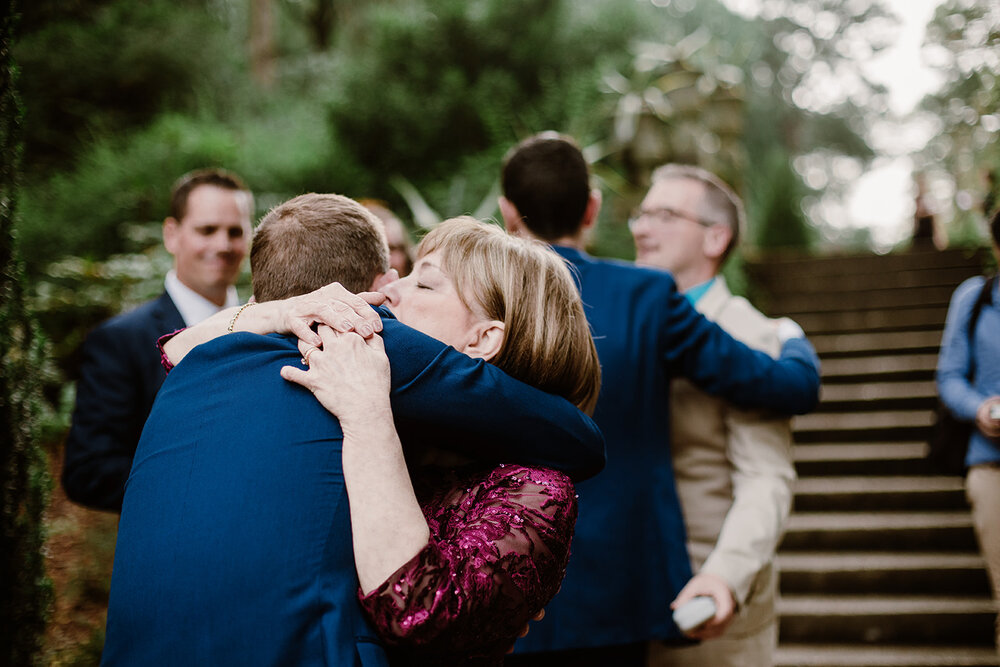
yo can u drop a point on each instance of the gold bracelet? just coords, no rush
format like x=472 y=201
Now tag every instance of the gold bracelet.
x=232 y=322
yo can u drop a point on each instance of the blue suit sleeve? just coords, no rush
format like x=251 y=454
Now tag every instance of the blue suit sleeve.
x=442 y=396
x=107 y=421
x=954 y=388
x=716 y=362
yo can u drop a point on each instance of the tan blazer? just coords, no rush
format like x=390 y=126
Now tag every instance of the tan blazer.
x=734 y=473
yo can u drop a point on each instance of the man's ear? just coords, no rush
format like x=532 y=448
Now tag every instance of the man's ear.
x=511 y=216
x=383 y=279
x=717 y=239
x=593 y=208
x=171 y=227
x=487 y=339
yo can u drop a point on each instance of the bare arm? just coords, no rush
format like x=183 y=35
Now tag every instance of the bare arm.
x=350 y=377
x=331 y=305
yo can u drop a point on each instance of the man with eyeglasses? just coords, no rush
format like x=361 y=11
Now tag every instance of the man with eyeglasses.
x=733 y=467
x=629 y=555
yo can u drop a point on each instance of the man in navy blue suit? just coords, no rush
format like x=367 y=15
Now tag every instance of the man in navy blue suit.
x=207 y=233
x=234 y=545
x=629 y=553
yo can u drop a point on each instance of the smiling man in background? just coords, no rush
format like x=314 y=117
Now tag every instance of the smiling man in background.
x=733 y=467
x=207 y=232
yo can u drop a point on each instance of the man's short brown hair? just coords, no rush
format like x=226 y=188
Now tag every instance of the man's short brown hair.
x=219 y=178
x=314 y=240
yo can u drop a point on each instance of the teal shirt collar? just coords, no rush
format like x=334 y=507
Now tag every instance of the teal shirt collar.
x=698 y=291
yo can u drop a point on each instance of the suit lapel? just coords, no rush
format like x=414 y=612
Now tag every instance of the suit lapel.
x=168 y=318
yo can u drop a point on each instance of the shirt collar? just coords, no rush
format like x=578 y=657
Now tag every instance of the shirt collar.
x=698 y=291
x=192 y=306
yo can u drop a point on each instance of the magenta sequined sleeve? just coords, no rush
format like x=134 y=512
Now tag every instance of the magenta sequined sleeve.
x=160 y=342
x=497 y=554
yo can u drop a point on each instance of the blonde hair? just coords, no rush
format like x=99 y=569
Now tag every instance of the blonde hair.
x=527 y=286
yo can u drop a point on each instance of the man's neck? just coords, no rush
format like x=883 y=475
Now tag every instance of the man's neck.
x=218 y=297
x=575 y=241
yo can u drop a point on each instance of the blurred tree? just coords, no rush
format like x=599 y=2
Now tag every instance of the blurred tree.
x=444 y=87
x=262 y=52
x=122 y=178
x=682 y=103
x=24 y=481
x=747 y=97
x=962 y=160
x=96 y=66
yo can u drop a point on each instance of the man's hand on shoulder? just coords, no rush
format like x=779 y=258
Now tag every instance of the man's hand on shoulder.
x=788 y=329
x=332 y=305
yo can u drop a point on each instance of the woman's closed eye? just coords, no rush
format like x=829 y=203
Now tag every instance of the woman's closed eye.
x=423 y=286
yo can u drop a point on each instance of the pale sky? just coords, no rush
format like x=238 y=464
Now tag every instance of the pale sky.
x=882 y=197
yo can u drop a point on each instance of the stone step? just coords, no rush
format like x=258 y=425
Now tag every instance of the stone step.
x=861 y=426
x=878 y=619
x=867 y=396
x=912 y=655
x=871 y=528
x=879 y=531
x=866 y=344
x=886 y=268
x=892 y=298
x=780 y=287
x=895 y=367
x=875 y=458
x=883 y=572
x=860 y=321
x=854 y=494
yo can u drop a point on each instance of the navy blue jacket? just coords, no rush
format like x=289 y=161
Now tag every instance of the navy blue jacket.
x=234 y=546
x=119 y=376
x=629 y=557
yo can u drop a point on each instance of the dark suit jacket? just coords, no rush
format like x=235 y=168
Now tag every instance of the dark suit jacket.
x=119 y=377
x=629 y=557
x=234 y=546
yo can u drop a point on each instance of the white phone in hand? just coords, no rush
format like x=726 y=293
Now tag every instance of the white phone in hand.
x=694 y=613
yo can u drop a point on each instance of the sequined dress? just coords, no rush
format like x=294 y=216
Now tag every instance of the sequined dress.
x=497 y=554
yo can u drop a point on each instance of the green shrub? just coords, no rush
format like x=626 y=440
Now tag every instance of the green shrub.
x=446 y=87
x=118 y=180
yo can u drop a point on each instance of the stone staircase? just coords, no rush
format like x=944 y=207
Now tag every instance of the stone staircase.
x=879 y=565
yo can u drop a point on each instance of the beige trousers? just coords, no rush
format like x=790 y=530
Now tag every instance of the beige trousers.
x=755 y=650
x=982 y=488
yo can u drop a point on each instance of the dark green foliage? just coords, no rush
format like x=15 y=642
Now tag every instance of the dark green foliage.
x=24 y=482
x=774 y=205
x=119 y=179
x=113 y=65
x=435 y=82
x=124 y=179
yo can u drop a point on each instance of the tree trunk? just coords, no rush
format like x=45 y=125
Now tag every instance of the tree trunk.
x=262 y=52
x=25 y=590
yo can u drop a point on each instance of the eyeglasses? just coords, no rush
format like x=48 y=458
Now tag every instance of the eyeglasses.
x=665 y=214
